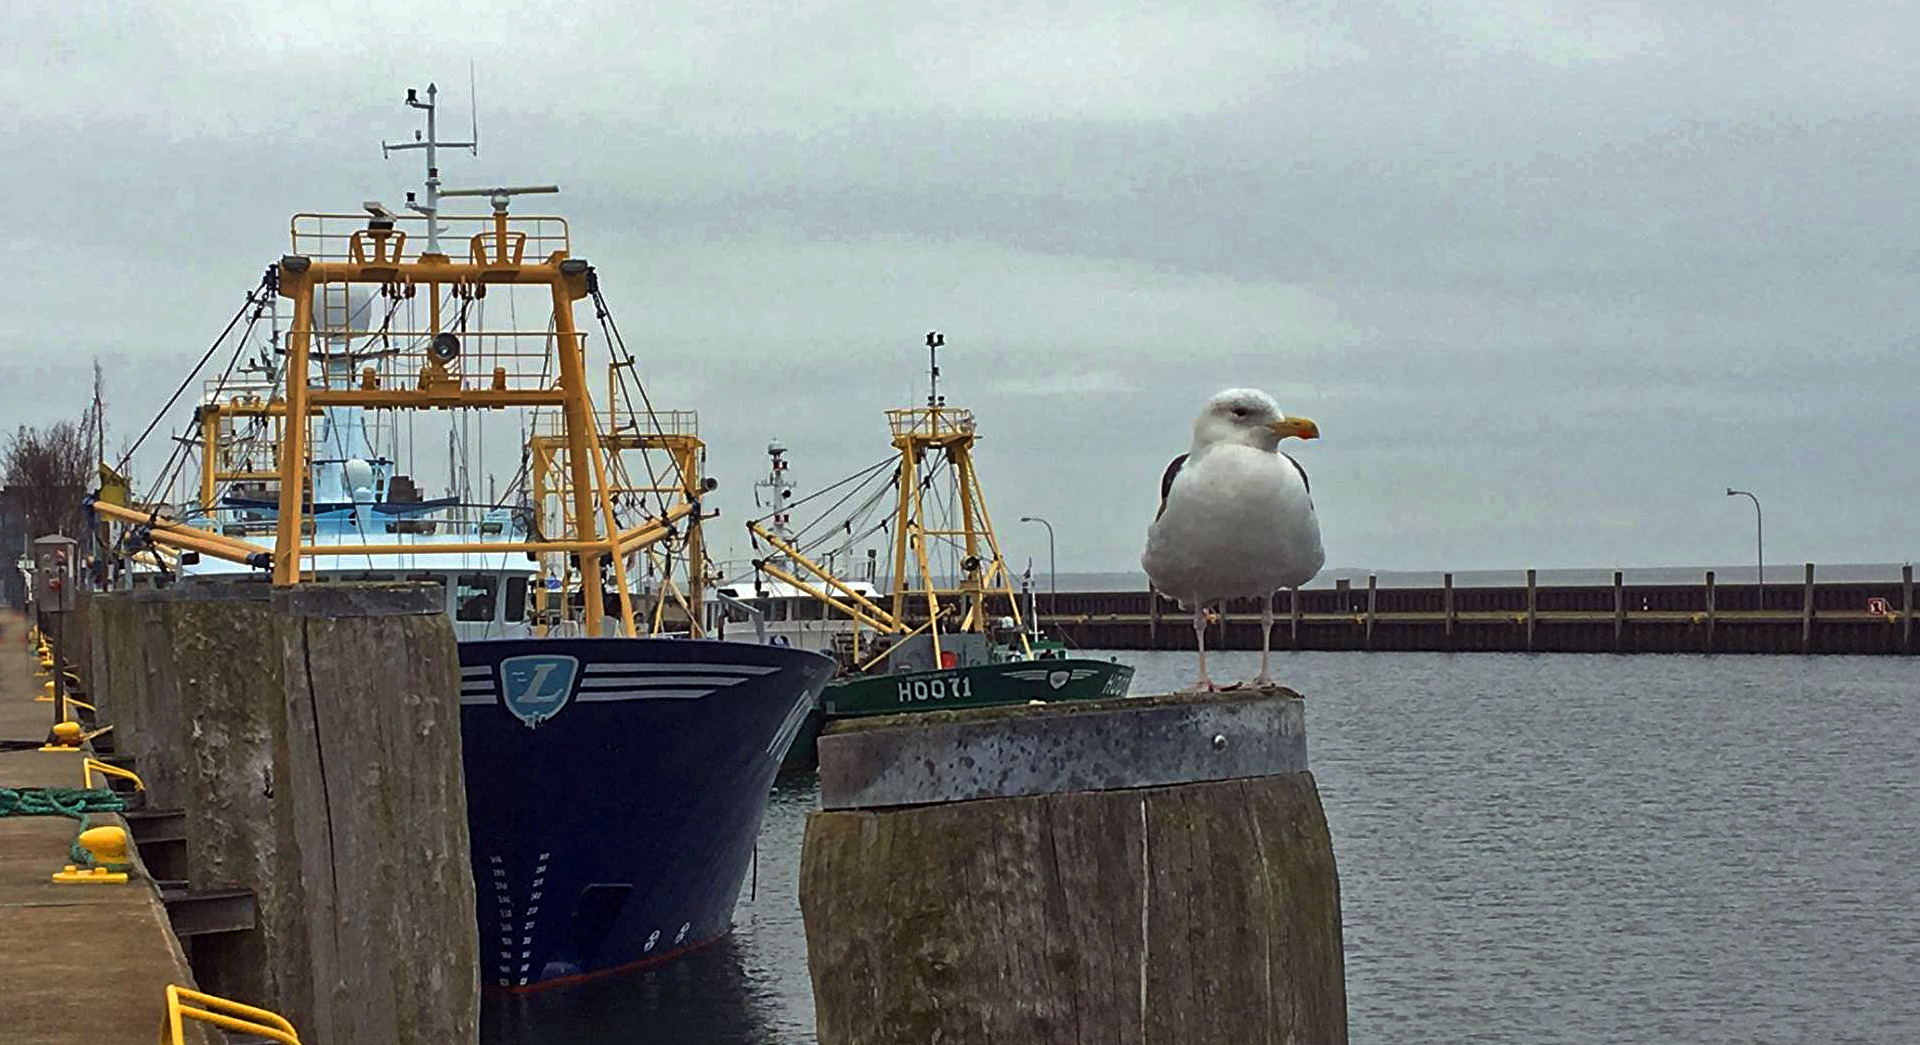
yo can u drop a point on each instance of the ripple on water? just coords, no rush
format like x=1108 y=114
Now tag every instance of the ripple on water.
x=1539 y=849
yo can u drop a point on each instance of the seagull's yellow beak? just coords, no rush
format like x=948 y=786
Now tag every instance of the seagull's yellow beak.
x=1297 y=427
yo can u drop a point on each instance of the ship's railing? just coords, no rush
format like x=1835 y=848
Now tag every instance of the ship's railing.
x=329 y=237
x=620 y=422
x=252 y=393
x=932 y=422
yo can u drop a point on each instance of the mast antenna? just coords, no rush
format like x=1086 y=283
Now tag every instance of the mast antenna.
x=934 y=340
x=431 y=143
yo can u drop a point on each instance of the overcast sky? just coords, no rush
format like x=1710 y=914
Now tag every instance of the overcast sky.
x=1550 y=276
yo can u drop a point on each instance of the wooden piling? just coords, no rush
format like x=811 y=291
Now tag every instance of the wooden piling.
x=1372 y=605
x=1532 y=610
x=1906 y=608
x=238 y=794
x=1446 y=598
x=1137 y=870
x=1806 y=613
x=1619 y=612
x=311 y=736
x=1710 y=611
x=1293 y=618
x=372 y=683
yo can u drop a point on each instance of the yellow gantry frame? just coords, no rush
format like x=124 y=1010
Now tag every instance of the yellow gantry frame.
x=299 y=277
x=375 y=258
x=939 y=429
x=543 y=451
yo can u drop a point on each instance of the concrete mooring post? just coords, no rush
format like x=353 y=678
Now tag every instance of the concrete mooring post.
x=1151 y=869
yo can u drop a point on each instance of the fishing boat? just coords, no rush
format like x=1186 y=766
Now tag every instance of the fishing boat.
x=947 y=631
x=617 y=759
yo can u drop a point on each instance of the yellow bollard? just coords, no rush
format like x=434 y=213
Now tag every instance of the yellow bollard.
x=46 y=693
x=108 y=847
x=65 y=736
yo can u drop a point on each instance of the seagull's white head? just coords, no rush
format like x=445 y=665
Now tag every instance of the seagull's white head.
x=1249 y=417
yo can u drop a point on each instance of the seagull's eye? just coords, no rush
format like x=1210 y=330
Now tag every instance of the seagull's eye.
x=1239 y=411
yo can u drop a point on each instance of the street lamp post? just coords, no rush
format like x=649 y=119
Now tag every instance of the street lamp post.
x=1053 y=577
x=1759 y=543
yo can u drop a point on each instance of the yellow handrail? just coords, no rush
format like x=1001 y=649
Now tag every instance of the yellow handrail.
x=93 y=765
x=184 y=1004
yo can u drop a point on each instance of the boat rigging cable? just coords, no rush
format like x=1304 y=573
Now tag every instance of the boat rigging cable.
x=269 y=283
x=625 y=362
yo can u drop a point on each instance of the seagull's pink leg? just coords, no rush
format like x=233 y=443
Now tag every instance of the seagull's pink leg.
x=1266 y=641
x=1203 y=684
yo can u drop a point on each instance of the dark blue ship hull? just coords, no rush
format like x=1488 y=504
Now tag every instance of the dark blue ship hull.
x=614 y=791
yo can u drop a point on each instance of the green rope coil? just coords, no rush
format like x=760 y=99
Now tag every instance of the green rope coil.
x=72 y=802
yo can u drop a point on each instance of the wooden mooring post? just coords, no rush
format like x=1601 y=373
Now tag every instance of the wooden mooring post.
x=1710 y=611
x=1619 y=611
x=1532 y=607
x=1153 y=869
x=1446 y=600
x=1806 y=613
x=1293 y=618
x=1906 y=608
x=1373 y=594
x=311 y=737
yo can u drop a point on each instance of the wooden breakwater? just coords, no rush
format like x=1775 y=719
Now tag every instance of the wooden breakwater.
x=1800 y=615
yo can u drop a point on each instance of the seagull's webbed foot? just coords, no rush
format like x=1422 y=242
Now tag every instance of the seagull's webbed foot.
x=1260 y=681
x=1202 y=684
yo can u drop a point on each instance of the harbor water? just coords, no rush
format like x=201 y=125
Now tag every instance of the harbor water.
x=1543 y=849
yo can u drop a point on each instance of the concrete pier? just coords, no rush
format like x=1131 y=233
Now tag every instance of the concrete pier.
x=81 y=963
x=1137 y=870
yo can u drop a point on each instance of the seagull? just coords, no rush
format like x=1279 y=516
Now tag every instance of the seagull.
x=1236 y=516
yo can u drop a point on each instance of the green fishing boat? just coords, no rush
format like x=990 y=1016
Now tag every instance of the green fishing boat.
x=944 y=629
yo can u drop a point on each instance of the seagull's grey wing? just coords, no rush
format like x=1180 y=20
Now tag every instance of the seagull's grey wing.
x=1304 y=481
x=1166 y=482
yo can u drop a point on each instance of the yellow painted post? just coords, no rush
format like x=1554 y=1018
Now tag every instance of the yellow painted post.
x=689 y=460
x=926 y=573
x=613 y=530
x=537 y=462
x=973 y=590
x=296 y=283
x=908 y=483
x=209 y=456
x=579 y=425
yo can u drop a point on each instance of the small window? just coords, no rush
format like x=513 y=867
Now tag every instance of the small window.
x=516 y=598
x=474 y=596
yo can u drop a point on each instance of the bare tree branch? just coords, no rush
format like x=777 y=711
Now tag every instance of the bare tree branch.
x=50 y=470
